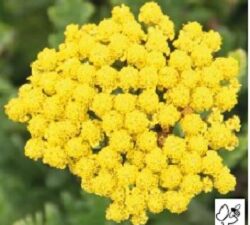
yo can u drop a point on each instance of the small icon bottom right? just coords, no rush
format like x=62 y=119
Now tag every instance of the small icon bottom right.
x=229 y=211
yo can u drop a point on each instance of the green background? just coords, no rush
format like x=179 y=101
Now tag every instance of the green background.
x=32 y=193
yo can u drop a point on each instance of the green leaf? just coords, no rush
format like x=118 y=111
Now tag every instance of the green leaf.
x=89 y=209
x=51 y=216
x=6 y=88
x=17 y=8
x=66 y=12
x=228 y=40
x=55 y=39
x=6 y=36
x=5 y=207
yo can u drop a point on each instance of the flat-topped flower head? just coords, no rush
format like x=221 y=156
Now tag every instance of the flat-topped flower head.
x=133 y=112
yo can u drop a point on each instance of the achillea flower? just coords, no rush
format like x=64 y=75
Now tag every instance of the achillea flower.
x=109 y=102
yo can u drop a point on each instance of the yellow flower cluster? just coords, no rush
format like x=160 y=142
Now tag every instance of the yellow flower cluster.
x=138 y=121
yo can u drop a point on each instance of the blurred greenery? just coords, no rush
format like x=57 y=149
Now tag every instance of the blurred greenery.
x=32 y=193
